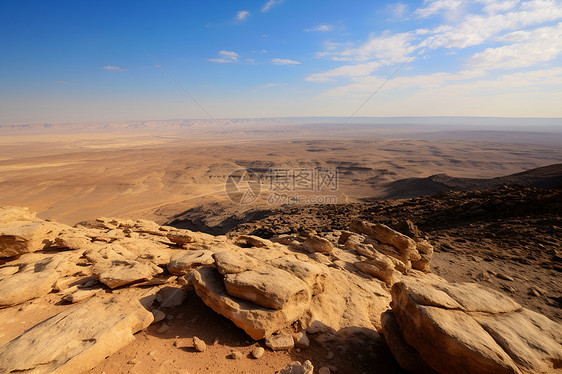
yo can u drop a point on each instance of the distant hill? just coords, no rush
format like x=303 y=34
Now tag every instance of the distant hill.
x=547 y=176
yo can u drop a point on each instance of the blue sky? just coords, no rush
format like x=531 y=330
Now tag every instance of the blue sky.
x=93 y=60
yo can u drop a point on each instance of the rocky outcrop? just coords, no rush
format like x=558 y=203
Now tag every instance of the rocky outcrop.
x=476 y=329
x=77 y=339
x=33 y=275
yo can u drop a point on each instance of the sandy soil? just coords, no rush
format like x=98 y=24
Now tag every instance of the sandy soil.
x=75 y=177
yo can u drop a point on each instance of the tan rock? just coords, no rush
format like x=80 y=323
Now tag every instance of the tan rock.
x=406 y=356
x=532 y=340
x=16 y=213
x=256 y=321
x=36 y=276
x=117 y=273
x=426 y=253
x=314 y=275
x=76 y=339
x=271 y=287
x=18 y=237
x=280 y=342
x=80 y=295
x=382 y=269
x=199 y=345
x=392 y=242
x=253 y=241
x=231 y=262
x=315 y=243
x=185 y=261
x=295 y=367
x=427 y=315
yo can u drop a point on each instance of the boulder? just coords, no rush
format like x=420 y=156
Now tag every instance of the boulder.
x=466 y=328
x=117 y=273
x=18 y=237
x=183 y=262
x=252 y=241
x=269 y=287
x=230 y=262
x=406 y=356
x=77 y=339
x=258 y=322
x=315 y=243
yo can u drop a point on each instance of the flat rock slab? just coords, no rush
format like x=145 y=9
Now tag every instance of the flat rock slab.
x=76 y=339
x=185 y=261
x=117 y=273
x=33 y=275
x=269 y=287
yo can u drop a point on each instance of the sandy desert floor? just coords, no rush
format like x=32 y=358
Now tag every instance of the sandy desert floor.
x=75 y=177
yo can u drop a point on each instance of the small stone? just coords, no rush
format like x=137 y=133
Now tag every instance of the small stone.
x=330 y=355
x=324 y=370
x=163 y=329
x=333 y=369
x=199 y=344
x=281 y=342
x=258 y=352
x=176 y=343
x=301 y=340
x=133 y=362
x=236 y=355
x=504 y=277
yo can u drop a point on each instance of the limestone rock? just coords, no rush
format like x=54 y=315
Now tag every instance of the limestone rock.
x=183 y=237
x=76 y=339
x=17 y=237
x=270 y=287
x=426 y=253
x=256 y=321
x=295 y=367
x=312 y=274
x=170 y=297
x=80 y=295
x=393 y=243
x=476 y=329
x=36 y=276
x=252 y=241
x=301 y=340
x=229 y=262
x=199 y=345
x=257 y=352
x=407 y=357
x=16 y=213
x=185 y=261
x=315 y=243
x=117 y=273
x=280 y=342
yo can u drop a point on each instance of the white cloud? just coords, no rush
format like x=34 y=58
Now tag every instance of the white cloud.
x=434 y=7
x=397 y=10
x=531 y=47
x=241 y=15
x=321 y=28
x=391 y=47
x=475 y=29
x=276 y=84
x=267 y=6
x=114 y=68
x=348 y=71
x=225 y=57
x=284 y=61
x=495 y=6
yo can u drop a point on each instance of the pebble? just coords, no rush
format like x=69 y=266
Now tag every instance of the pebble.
x=505 y=277
x=330 y=355
x=236 y=355
x=258 y=352
x=324 y=370
x=199 y=344
x=301 y=340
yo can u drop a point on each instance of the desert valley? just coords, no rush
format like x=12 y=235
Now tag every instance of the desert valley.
x=126 y=212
